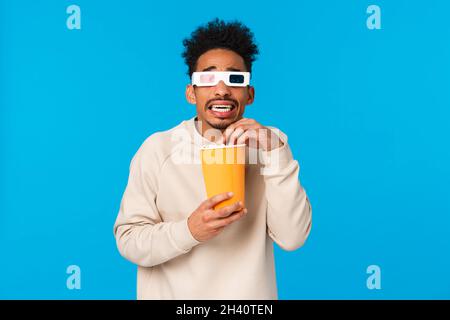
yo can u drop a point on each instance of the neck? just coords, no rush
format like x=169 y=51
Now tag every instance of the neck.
x=203 y=126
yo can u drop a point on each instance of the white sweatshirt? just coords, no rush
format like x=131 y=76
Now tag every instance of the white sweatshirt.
x=151 y=228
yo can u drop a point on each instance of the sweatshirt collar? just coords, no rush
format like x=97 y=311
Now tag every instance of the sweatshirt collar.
x=198 y=139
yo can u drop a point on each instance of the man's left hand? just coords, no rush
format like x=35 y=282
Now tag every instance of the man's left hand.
x=250 y=132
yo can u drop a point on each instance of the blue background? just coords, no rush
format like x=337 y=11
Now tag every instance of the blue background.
x=367 y=113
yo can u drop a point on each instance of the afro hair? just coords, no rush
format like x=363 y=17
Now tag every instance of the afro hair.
x=218 y=34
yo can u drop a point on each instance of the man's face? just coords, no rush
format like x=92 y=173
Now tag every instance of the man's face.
x=221 y=94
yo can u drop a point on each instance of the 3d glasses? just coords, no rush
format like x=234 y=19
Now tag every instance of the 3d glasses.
x=212 y=78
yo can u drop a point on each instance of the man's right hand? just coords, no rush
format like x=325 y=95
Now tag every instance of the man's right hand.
x=206 y=223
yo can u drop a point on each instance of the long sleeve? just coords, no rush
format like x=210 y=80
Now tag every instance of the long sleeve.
x=289 y=212
x=141 y=235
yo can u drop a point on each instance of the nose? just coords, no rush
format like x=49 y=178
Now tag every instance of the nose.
x=221 y=89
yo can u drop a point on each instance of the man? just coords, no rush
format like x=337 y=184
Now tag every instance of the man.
x=184 y=248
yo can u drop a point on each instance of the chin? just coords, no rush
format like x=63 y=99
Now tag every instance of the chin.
x=220 y=123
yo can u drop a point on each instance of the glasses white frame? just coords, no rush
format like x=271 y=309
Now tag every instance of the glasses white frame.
x=220 y=76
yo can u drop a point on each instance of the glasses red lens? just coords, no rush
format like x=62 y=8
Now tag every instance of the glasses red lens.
x=207 y=78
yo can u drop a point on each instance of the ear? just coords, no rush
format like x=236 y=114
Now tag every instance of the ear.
x=190 y=94
x=251 y=95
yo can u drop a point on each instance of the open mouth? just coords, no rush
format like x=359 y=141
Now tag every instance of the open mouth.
x=222 y=110
x=221 y=107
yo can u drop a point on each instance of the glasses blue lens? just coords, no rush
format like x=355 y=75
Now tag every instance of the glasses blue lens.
x=236 y=78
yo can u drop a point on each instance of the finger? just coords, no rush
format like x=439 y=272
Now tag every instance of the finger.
x=221 y=223
x=211 y=202
x=232 y=136
x=229 y=130
x=223 y=212
x=249 y=135
x=226 y=211
x=235 y=135
x=227 y=133
x=250 y=129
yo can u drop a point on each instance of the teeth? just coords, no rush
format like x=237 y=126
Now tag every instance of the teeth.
x=221 y=108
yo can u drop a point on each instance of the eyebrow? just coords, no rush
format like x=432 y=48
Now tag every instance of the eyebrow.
x=214 y=67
